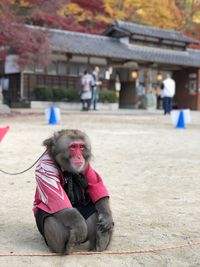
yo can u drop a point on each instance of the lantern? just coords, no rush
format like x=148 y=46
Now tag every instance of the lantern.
x=134 y=74
x=159 y=77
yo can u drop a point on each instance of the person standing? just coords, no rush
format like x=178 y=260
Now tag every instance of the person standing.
x=168 y=87
x=86 y=92
x=95 y=87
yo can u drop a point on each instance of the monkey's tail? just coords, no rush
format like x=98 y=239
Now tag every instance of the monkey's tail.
x=17 y=173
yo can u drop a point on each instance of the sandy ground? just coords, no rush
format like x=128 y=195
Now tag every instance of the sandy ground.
x=152 y=173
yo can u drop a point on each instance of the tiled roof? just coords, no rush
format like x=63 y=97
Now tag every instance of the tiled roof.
x=109 y=47
x=133 y=28
x=166 y=56
x=88 y=44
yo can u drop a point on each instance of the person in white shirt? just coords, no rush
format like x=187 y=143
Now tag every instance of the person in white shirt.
x=168 y=91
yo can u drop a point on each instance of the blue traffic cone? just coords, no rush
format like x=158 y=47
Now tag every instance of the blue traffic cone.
x=180 y=123
x=52 y=117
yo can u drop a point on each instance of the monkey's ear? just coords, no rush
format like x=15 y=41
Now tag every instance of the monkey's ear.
x=49 y=142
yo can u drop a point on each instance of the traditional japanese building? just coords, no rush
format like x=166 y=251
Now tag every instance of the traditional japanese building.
x=130 y=57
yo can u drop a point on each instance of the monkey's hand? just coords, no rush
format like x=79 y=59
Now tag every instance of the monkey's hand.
x=105 y=224
x=76 y=224
x=105 y=221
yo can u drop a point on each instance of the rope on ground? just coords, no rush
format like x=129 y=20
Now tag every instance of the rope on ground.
x=150 y=250
x=17 y=173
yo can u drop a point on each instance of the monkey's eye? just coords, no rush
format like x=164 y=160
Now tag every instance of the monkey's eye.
x=72 y=147
x=82 y=147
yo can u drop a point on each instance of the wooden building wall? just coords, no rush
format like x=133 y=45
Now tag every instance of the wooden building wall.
x=33 y=80
x=128 y=97
x=187 y=94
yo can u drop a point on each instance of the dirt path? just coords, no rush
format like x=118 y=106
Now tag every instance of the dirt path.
x=151 y=171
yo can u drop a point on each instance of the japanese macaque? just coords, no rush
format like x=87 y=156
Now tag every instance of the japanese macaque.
x=71 y=203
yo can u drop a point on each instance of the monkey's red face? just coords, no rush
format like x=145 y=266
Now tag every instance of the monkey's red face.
x=76 y=150
x=70 y=149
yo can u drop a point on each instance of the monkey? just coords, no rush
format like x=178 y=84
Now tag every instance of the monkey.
x=71 y=204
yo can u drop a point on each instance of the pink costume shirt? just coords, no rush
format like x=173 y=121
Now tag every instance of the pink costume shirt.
x=50 y=195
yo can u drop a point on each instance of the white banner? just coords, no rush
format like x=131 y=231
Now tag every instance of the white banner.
x=11 y=65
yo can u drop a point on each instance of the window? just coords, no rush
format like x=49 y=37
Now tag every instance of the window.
x=73 y=69
x=29 y=68
x=52 y=68
x=82 y=68
x=62 y=68
x=39 y=68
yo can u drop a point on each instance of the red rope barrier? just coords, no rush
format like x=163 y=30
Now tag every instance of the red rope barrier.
x=150 y=250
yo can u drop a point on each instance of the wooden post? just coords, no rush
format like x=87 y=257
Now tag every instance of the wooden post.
x=148 y=80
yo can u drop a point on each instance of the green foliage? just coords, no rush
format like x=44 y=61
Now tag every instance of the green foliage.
x=42 y=93
x=59 y=94
x=107 y=96
x=55 y=94
x=72 y=95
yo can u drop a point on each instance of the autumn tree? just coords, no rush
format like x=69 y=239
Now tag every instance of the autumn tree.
x=120 y=9
x=89 y=15
x=16 y=37
x=93 y=11
x=153 y=13
x=94 y=15
x=191 y=13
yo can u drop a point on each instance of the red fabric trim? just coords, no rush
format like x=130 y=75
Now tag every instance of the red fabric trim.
x=96 y=187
